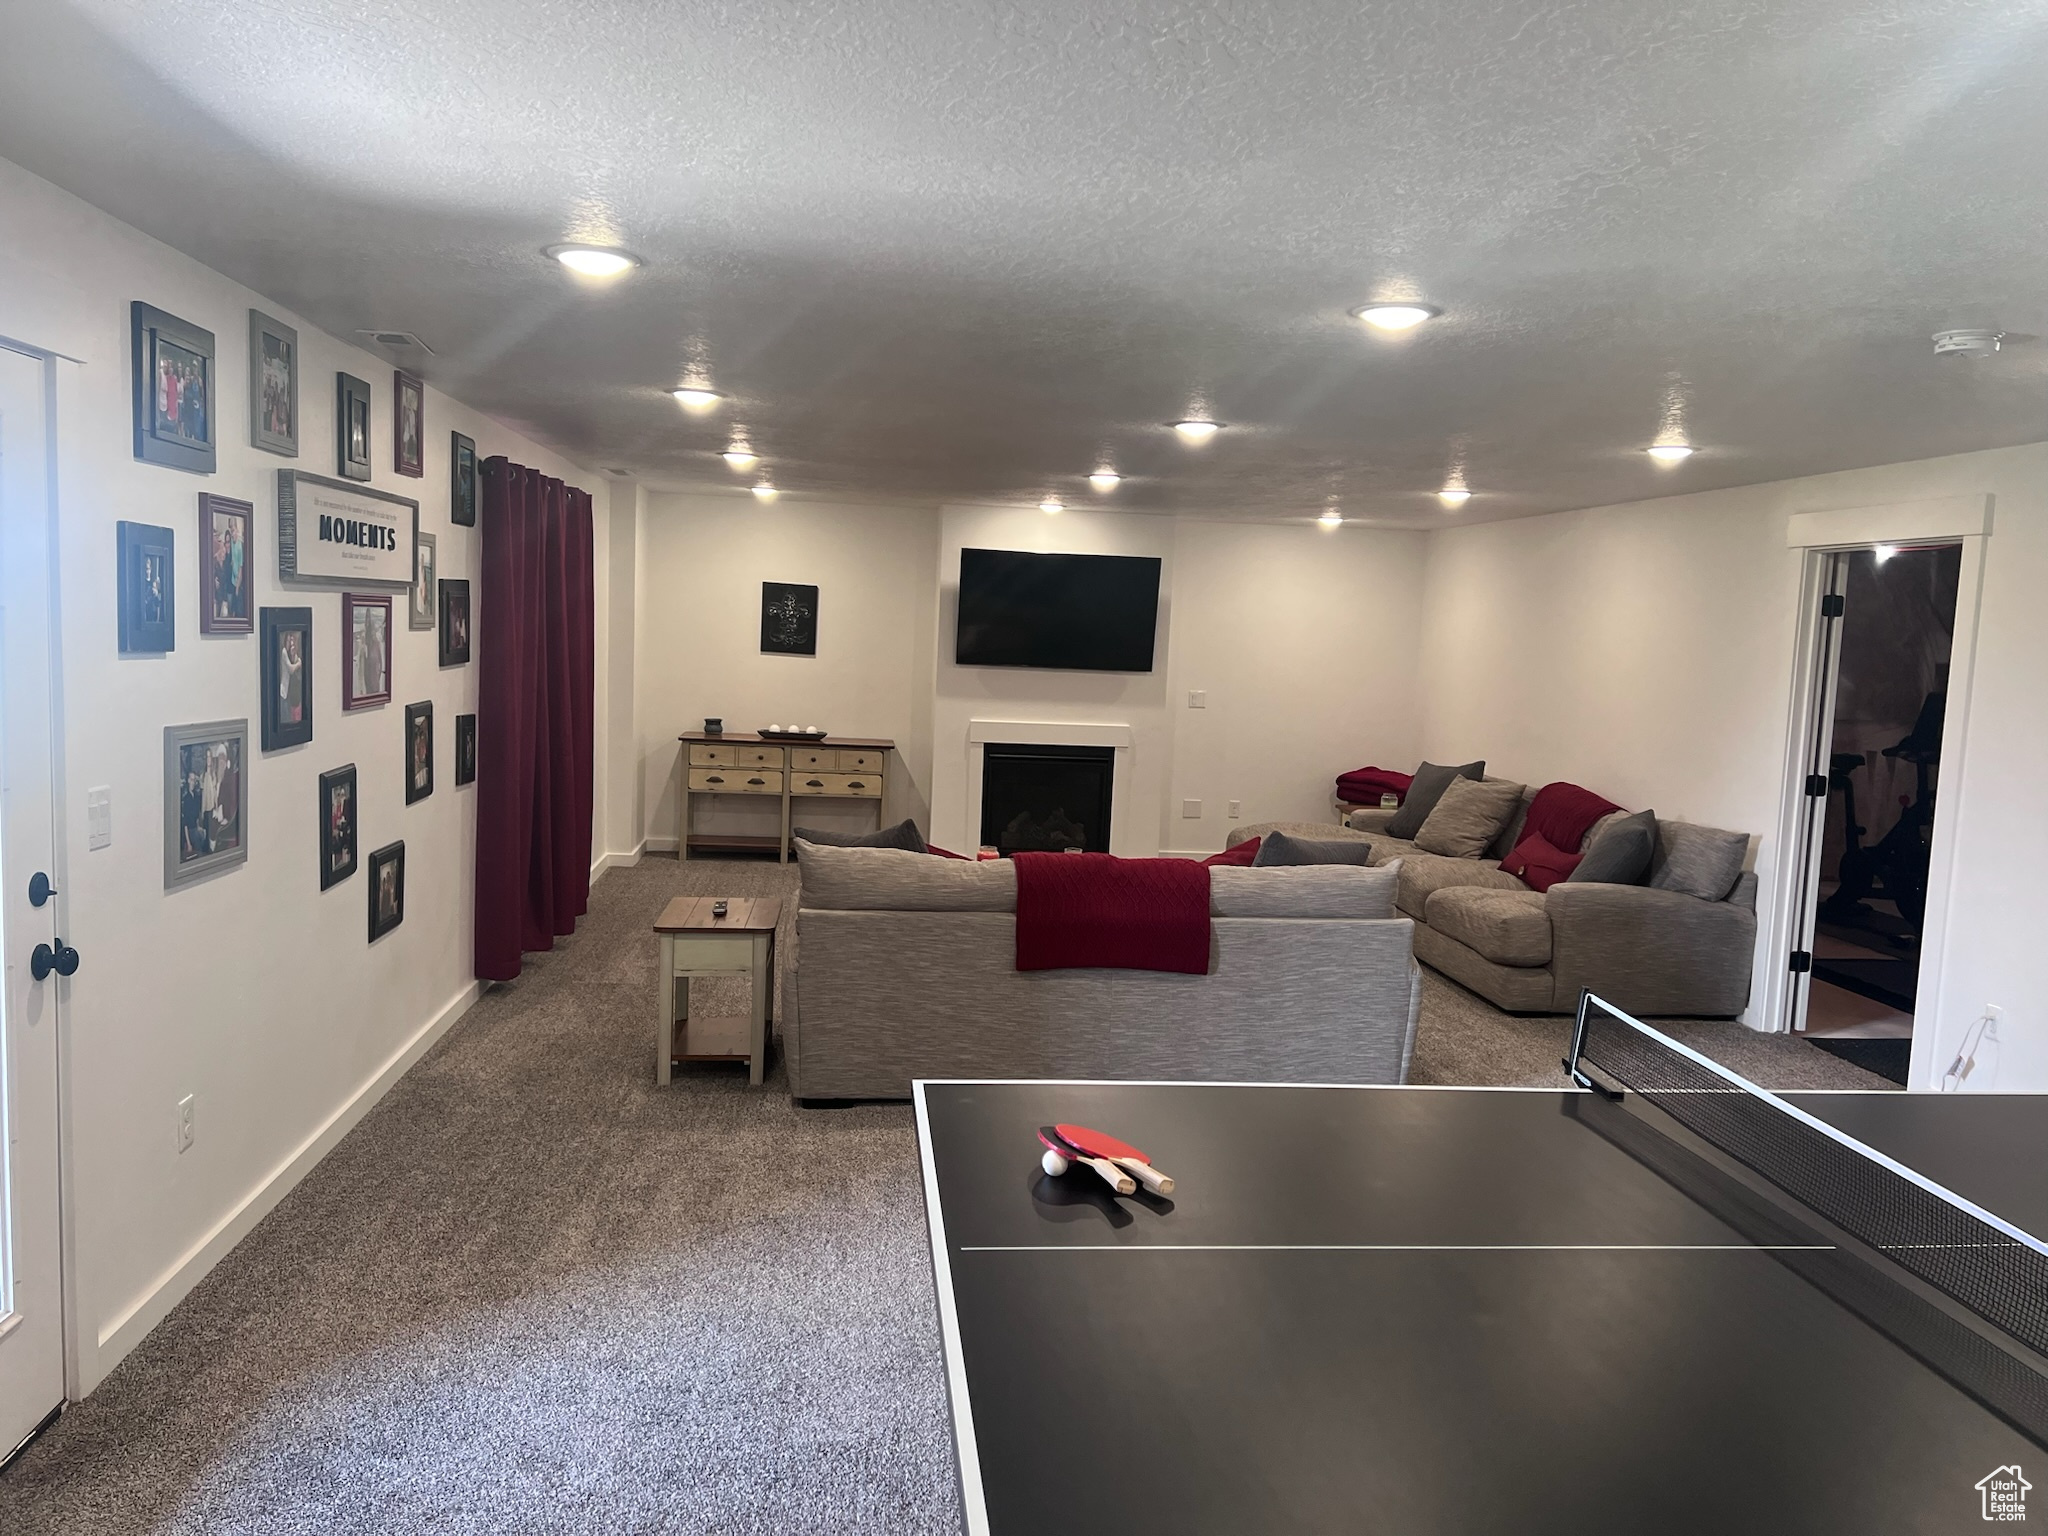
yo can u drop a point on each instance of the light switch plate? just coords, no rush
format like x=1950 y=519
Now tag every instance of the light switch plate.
x=1236 y=809
x=99 y=817
x=1198 y=698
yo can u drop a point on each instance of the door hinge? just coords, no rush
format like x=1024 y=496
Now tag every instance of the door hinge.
x=1831 y=605
x=1816 y=784
x=1802 y=961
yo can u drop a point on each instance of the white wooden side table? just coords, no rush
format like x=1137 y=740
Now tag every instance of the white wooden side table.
x=697 y=943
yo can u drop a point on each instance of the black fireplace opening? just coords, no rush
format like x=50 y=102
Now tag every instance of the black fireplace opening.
x=1045 y=799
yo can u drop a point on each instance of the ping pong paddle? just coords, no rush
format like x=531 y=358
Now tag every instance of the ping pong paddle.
x=1065 y=1150
x=1121 y=1153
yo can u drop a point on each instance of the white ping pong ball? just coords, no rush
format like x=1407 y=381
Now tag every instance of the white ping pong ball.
x=1053 y=1163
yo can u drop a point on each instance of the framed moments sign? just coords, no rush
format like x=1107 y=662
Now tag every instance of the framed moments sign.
x=330 y=530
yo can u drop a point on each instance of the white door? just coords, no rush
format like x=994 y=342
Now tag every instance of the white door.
x=31 y=1309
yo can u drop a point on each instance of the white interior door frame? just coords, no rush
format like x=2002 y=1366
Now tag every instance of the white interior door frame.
x=1966 y=520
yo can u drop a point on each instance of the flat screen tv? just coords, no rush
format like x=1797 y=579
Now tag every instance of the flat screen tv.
x=1076 y=613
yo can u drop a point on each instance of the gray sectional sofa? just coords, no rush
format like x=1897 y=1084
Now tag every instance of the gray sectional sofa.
x=906 y=968
x=1653 y=952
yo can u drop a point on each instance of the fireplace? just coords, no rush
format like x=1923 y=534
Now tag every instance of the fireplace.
x=1045 y=798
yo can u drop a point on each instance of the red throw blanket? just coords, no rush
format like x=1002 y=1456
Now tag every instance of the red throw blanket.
x=1364 y=786
x=1094 y=911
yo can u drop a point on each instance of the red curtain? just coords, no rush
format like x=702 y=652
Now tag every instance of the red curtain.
x=535 y=630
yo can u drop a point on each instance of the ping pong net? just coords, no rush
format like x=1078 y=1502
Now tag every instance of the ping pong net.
x=1994 y=1269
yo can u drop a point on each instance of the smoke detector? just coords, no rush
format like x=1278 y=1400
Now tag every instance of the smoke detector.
x=1966 y=343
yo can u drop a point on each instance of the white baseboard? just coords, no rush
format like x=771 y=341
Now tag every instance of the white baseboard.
x=615 y=860
x=659 y=845
x=1187 y=853
x=129 y=1329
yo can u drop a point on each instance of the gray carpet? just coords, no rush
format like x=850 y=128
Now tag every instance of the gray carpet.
x=531 y=1293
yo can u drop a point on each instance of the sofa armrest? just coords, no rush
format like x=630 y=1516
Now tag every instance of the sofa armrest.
x=1371 y=818
x=1649 y=951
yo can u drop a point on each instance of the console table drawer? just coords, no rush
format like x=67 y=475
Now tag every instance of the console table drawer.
x=760 y=757
x=859 y=762
x=859 y=786
x=702 y=756
x=735 y=781
x=811 y=759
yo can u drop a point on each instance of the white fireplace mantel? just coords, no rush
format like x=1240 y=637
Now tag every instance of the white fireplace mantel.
x=1058 y=733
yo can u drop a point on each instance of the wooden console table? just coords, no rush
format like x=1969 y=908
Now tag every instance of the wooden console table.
x=741 y=763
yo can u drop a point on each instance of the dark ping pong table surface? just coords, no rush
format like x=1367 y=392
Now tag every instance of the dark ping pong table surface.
x=1422 y=1310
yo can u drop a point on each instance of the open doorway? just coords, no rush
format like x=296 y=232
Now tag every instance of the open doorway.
x=1878 y=747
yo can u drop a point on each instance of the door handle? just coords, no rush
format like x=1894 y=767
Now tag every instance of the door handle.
x=39 y=889
x=63 y=960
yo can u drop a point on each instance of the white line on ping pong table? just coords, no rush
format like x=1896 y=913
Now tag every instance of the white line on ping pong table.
x=1397 y=1248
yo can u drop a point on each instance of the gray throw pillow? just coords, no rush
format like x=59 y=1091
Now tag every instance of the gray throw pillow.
x=1698 y=861
x=903 y=835
x=1431 y=780
x=1281 y=848
x=1620 y=852
x=1468 y=815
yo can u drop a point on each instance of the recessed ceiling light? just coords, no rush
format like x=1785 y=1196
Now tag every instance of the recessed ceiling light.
x=594 y=260
x=1105 y=479
x=1669 y=453
x=694 y=398
x=1396 y=317
x=1454 y=495
x=1196 y=431
x=1052 y=504
x=1331 y=519
x=740 y=456
x=766 y=491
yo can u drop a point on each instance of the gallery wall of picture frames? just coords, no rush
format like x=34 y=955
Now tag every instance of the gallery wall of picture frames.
x=207 y=765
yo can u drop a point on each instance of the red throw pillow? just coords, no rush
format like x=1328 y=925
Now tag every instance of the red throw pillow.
x=1563 y=813
x=1538 y=865
x=1242 y=853
x=944 y=853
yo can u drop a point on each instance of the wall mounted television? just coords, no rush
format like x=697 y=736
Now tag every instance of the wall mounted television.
x=1073 y=613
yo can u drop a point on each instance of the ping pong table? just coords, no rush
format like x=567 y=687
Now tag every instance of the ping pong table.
x=1659 y=1301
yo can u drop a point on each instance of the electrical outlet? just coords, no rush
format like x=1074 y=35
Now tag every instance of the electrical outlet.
x=1191 y=809
x=1236 y=809
x=1198 y=698
x=99 y=816
x=185 y=1131
x=1992 y=1014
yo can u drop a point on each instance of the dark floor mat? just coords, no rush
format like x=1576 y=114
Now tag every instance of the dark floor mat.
x=1887 y=1058
x=1891 y=982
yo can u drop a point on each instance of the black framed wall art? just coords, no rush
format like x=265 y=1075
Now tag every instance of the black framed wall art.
x=206 y=799
x=426 y=566
x=175 y=389
x=147 y=587
x=351 y=427
x=273 y=385
x=408 y=424
x=227 y=565
x=419 y=751
x=455 y=623
x=461 y=480
x=286 y=716
x=387 y=889
x=365 y=650
x=465 y=749
x=337 y=825
x=789 y=618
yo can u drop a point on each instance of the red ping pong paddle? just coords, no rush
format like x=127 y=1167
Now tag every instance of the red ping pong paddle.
x=1121 y=1153
x=1111 y=1174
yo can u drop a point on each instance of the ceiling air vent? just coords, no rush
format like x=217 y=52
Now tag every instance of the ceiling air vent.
x=1966 y=343
x=397 y=341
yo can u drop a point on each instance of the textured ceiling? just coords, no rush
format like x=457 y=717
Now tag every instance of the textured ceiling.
x=969 y=250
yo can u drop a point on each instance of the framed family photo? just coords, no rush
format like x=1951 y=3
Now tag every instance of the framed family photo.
x=227 y=547
x=419 y=751
x=408 y=424
x=337 y=825
x=351 y=427
x=455 y=623
x=465 y=749
x=273 y=385
x=206 y=799
x=286 y=716
x=425 y=569
x=174 y=390
x=144 y=558
x=461 y=480
x=365 y=650
x=387 y=889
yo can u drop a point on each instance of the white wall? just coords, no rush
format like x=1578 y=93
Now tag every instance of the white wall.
x=1306 y=642
x=705 y=557
x=255 y=991
x=621 y=808
x=1646 y=651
